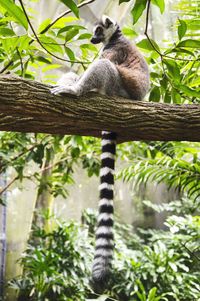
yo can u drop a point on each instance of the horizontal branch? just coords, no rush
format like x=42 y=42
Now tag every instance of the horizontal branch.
x=28 y=106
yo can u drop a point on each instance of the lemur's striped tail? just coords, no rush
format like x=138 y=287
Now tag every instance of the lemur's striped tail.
x=104 y=233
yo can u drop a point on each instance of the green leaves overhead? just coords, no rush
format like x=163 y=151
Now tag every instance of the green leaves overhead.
x=148 y=45
x=129 y=32
x=6 y=32
x=173 y=69
x=155 y=94
x=72 y=5
x=70 y=27
x=189 y=92
x=140 y=6
x=190 y=43
x=15 y=11
x=70 y=53
x=172 y=163
x=138 y=9
x=71 y=34
x=182 y=28
x=50 y=44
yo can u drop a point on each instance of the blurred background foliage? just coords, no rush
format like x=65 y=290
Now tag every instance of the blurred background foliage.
x=150 y=264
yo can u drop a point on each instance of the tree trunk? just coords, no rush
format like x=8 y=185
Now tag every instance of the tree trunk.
x=28 y=106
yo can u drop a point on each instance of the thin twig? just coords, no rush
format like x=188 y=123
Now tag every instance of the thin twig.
x=146 y=28
x=6 y=66
x=8 y=185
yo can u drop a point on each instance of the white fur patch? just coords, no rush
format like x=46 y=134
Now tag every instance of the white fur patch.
x=105 y=170
x=107 y=141
x=104 y=229
x=68 y=78
x=105 y=202
x=105 y=216
x=105 y=186
x=104 y=242
x=104 y=17
x=107 y=155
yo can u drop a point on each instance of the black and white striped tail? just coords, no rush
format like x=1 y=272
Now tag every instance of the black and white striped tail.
x=104 y=233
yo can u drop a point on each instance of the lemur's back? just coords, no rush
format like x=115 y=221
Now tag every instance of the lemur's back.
x=131 y=65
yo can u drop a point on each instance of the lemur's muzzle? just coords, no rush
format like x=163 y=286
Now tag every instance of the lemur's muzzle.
x=96 y=40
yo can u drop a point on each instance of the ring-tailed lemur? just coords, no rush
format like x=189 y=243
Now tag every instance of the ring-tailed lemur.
x=121 y=70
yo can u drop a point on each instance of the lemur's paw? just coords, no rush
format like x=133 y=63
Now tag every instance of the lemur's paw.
x=58 y=90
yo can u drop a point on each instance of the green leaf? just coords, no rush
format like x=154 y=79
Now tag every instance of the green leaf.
x=2 y=202
x=138 y=9
x=6 y=32
x=50 y=67
x=72 y=6
x=71 y=34
x=43 y=59
x=15 y=11
x=85 y=36
x=164 y=82
x=50 y=44
x=176 y=96
x=182 y=51
x=70 y=27
x=127 y=31
x=189 y=43
x=160 y=4
x=89 y=47
x=23 y=43
x=182 y=28
x=173 y=69
x=149 y=45
x=173 y=266
x=62 y=22
x=152 y=294
x=70 y=53
x=44 y=24
x=155 y=94
x=188 y=91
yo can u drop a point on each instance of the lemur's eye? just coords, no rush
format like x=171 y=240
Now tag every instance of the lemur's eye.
x=99 y=30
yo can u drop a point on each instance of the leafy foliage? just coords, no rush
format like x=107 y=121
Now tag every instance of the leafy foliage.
x=20 y=150
x=154 y=265
x=176 y=164
x=56 y=266
x=25 y=53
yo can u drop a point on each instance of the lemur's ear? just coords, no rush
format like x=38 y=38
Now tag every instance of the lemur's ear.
x=107 y=21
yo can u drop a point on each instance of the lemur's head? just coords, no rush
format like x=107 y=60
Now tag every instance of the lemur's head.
x=104 y=30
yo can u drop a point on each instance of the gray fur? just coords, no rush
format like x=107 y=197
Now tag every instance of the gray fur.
x=100 y=77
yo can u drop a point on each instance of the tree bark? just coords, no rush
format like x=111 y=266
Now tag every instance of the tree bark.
x=28 y=106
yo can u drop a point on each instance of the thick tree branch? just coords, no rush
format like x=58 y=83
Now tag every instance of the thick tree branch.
x=28 y=106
